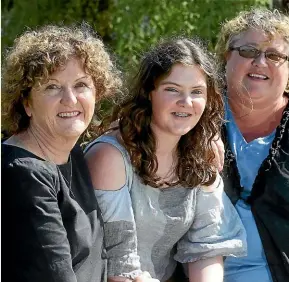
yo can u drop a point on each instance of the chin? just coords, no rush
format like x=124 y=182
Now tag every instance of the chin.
x=257 y=94
x=73 y=132
x=181 y=133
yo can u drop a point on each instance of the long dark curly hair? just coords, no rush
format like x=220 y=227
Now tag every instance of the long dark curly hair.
x=194 y=151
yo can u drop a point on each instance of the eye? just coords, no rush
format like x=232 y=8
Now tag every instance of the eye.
x=52 y=87
x=248 y=52
x=273 y=56
x=197 y=91
x=171 y=89
x=80 y=84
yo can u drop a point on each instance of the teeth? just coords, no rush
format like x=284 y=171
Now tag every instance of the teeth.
x=68 y=114
x=258 y=75
x=181 y=114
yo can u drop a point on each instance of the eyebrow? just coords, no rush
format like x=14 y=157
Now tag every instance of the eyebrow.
x=52 y=79
x=254 y=44
x=81 y=77
x=75 y=80
x=174 y=83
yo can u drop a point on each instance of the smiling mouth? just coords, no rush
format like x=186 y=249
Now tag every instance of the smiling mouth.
x=178 y=114
x=69 y=114
x=258 y=76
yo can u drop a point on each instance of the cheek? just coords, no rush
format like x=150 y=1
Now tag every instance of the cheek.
x=199 y=105
x=236 y=66
x=284 y=74
x=43 y=107
x=159 y=103
x=87 y=100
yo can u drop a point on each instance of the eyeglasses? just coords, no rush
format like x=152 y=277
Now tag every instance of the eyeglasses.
x=250 y=52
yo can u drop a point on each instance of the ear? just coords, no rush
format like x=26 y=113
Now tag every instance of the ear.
x=227 y=55
x=150 y=95
x=27 y=107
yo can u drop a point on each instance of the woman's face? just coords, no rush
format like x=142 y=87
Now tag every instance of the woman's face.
x=63 y=106
x=178 y=101
x=260 y=79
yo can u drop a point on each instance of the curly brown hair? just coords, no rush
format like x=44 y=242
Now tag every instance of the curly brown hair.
x=36 y=54
x=194 y=150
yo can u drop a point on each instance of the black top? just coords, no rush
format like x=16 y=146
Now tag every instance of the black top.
x=51 y=230
x=269 y=199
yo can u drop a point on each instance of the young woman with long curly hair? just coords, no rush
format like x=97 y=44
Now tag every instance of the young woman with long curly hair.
x=154 y=176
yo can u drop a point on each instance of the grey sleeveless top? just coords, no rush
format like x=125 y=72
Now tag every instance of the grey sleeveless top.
x=150 y=229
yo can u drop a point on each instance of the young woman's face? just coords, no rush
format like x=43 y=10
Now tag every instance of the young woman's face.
x=178 y=101
x=63 y=107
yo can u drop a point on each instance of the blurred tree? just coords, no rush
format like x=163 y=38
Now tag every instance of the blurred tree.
x=127 y=25
x=135 y=24
x=282 y=5
x=17 y=15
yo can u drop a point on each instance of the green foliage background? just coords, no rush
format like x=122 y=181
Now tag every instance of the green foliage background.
x=128 y=26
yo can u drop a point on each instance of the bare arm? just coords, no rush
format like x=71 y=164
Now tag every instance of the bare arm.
x=106 y=167
x=207 y=270
x=108 y=172
x=145 y=277
x=219 y=151
x=217 y=231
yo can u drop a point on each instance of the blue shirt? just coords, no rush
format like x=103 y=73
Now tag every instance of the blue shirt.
x=249 y=157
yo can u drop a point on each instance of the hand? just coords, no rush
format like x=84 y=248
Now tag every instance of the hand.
x=219 y=151
x=145 y=277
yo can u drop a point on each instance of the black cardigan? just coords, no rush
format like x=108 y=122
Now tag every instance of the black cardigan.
x=269 y=198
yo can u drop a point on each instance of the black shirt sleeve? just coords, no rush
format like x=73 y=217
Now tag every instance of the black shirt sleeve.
x=36 y=247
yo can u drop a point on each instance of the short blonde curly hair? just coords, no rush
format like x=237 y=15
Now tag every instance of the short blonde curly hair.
x=271 y=22
x=36 y=54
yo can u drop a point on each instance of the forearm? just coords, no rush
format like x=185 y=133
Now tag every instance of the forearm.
x=207 y=270
x=144 y=277
x=117 y=279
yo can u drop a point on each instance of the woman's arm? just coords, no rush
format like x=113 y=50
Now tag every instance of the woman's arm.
x=216 y=231
x=207 y=270
x=219 y=151
x=144 y=277
x=108 y=172
x=33 y=228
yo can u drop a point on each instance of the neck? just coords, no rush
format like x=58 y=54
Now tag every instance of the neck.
x=166 y=147
x=257 y=118
x=55 y=150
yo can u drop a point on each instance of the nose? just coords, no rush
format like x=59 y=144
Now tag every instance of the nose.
x=68 y=97
x=260 y=61
x=185 y=101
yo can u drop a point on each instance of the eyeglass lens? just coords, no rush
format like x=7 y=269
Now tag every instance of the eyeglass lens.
x=250 y=52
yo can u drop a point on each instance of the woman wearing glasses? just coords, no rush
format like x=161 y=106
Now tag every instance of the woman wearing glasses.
x=254 y=49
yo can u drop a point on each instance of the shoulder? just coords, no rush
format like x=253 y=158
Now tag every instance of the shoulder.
x=21 y=166
x=216 y=186
x=107 y=167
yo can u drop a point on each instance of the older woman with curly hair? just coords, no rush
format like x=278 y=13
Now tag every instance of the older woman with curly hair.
x=254 y=49
x=159 y=192
x=52 y=78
